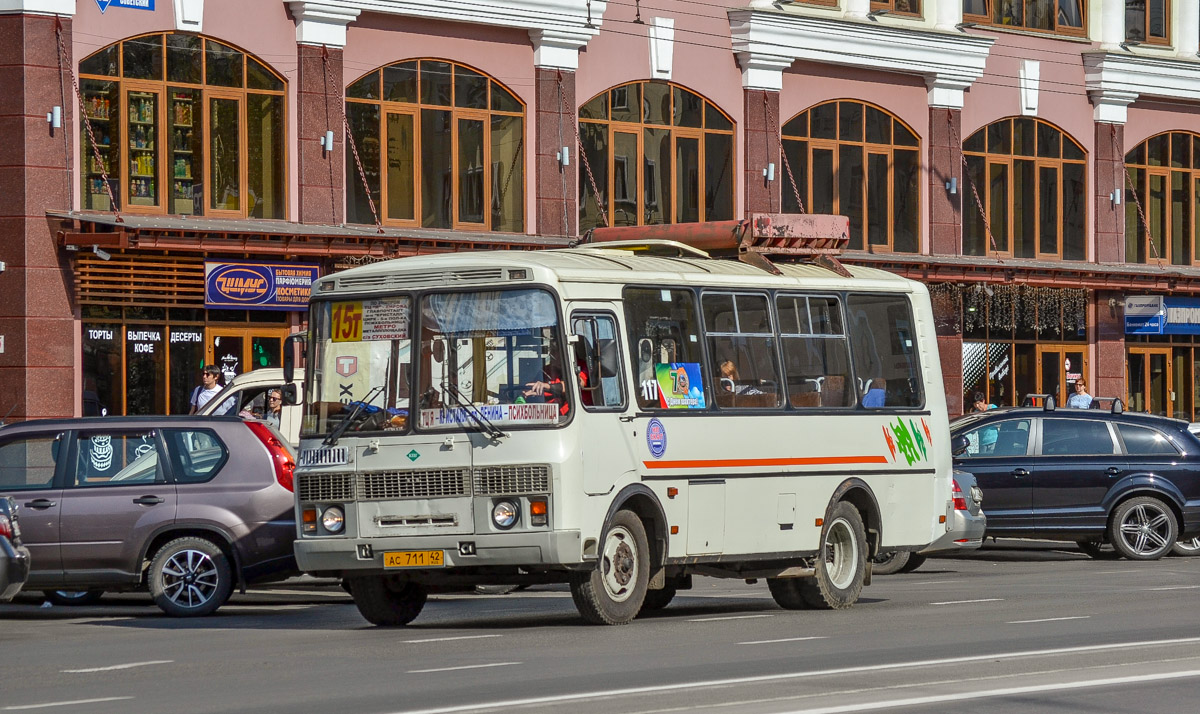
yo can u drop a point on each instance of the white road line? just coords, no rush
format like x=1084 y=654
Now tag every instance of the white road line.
x=964 y=602
x=62 y=704
x=264 y=608
x=448 y=639
x=1176 y=587
x=786 y=639
x=727 y=617
x=319 y=593
x=112 y=667
x=660 y=688
x=455 y=669
x=991 y=693
x=1048 y=619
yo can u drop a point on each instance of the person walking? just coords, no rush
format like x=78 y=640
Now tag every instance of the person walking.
x=1080 y=399
x=210 y=386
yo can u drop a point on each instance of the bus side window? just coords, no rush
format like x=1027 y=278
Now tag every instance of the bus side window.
x=664 y=331
x=598 y=362
x=882 y=338
x=816 y=355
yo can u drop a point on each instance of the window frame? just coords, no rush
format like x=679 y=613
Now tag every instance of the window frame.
x=71 y=475
x=1040 y=451
x=592 y=315
x=1147 y=38
x=1064 y=30
x=890 y=6
x=1140 y=173
x=771 y=335
x=62 y=463
x=164 y=152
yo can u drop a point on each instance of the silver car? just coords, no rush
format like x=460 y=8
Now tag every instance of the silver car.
x=965 y=525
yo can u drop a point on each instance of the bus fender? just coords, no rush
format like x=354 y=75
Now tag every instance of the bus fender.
x=640 y=499
x=857 y=492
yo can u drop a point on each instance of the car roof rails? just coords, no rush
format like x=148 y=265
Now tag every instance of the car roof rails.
x=1118 y=406
x=1047 y=401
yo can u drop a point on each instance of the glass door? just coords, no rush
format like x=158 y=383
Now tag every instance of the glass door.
x=237 y=350
x=1149 y=380
x=1059 y=367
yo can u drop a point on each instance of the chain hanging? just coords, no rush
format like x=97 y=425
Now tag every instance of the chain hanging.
x=511 y=169
x=987 y=225
x=562 y=93
x=1133 y=191
x=87 y=121
x=787 y=166
x=362 y=174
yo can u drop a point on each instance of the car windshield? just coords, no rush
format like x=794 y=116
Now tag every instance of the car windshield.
x=491 y=354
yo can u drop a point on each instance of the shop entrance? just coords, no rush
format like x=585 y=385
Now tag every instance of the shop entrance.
x=1059 y=366
x=1148 y=376
x=237 y=350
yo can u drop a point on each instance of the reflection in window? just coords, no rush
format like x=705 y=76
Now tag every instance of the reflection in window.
x=28 y=463
x=668 y=151
x=1031 y=180
x=1058 y=16
x=441 y=143
x=182 y=146
x=853 y=159
x=1146 y=21
x=1165 y=172
x=1076 y=437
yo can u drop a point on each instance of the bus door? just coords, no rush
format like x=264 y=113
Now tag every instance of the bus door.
x=605 y=440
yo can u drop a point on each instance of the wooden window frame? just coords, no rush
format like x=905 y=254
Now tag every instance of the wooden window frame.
x=413 y=109
x=1138 y=201
x=869 y=148
x=1064 y=30
x=890 y=6
x=1039 y=162
x=612 y=127
x=1146 y=38
x=163 y=128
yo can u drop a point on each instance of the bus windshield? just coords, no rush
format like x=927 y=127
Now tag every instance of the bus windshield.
x=497 y=353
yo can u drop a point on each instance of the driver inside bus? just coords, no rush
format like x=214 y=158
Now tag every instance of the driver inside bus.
x=552 y=389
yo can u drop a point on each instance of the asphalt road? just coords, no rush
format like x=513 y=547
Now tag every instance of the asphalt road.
x=1015 y=627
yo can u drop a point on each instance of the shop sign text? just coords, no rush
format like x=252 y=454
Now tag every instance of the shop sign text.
x=127 y=4
x=259 y=286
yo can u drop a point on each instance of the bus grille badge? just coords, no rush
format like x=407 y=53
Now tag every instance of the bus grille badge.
x=364 y=551
x=466 y=547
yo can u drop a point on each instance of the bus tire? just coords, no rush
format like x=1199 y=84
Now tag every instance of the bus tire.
x=889 y=563
x=658 y=599
x=841 y=564
x=786 y=592
x=915 y=560
x=386 y=602
x=613 y=593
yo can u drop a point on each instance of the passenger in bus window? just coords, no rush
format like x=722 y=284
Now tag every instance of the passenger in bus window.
x=876 y=395
x=731 y=382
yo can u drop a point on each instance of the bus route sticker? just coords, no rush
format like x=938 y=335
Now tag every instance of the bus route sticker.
x=656 y=438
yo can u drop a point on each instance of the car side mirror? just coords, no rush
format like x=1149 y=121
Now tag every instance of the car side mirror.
x=958 y=445
x=289 y=394
x=289 y=359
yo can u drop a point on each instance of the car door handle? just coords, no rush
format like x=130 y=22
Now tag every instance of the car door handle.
x=1112 y=471
x=40 y=503
x=1019 y=472
x=147 y=500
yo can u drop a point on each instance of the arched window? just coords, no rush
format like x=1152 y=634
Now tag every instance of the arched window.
x=184 y=125
x=683 y=144
x=856 y=160
x=1031 y=179
x=1165 y=171
x=454 y=155
x=1065 y=17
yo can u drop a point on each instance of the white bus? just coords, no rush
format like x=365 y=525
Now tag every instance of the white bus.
x=619 y=418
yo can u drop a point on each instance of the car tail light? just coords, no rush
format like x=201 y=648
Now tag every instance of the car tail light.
x=960 y=503
x=5 y=527
x=285 y=465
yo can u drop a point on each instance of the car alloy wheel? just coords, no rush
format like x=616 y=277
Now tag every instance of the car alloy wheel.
x=1187 y=548
x=1143 y=528
x=189 y=578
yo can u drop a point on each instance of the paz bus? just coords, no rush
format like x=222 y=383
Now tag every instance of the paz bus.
x=621 y=416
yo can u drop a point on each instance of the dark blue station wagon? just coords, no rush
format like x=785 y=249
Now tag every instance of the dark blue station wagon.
x=1091 y=476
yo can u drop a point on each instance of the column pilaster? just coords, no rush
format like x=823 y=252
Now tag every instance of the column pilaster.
x=945 y=167
x=1110 y=178
x=556 y=180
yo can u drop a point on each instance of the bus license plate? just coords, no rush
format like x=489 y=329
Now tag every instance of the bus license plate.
x=414 y=559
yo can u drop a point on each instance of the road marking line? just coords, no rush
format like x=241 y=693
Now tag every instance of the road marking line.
x=786 y=639
x=991 y=693
x=1177 y=587
x=264 y=608
x=729 y=617
x=448 y=639
x=455 y=669
x=964 y=602
x=660 y=688
x=1048 y=619
x=319 y=593
x=112 y=667
x=62 y=704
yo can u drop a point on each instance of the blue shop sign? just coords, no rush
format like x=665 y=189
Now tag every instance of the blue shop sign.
x=1157 y=315
x=259 y=286
x=128 y=4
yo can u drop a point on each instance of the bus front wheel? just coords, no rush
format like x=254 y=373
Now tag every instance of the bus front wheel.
x=612 y=594
x=841 y=564
x=386 y=602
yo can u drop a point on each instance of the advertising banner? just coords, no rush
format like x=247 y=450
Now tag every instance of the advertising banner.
x=259 y=286
x=679 y=385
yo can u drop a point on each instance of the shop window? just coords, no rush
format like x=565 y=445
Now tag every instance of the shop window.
x=1146 y=21
x=658 y=153
x=1030 y=178
x=185 y=125
x=856 y=160
x=1064 y=17
x=441 y=146
x=900 y=7
x=1165 y=173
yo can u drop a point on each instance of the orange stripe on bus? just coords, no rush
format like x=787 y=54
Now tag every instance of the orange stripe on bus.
x=733 y=463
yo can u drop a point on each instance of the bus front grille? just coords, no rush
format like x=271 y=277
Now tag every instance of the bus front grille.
x=427 y=483
x=325 y=487
x=512 y=480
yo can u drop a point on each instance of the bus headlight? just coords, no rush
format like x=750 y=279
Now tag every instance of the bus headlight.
x=504 y=514
x=333 y=520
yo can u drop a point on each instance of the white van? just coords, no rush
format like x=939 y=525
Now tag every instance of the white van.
x=247 y=393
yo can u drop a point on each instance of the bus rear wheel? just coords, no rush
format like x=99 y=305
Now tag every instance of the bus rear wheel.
x=841 y=564
x=385 y=601
x=613 y=593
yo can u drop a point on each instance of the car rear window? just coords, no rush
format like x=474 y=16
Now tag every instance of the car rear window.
x=1141 y=441
x=1076 y=437
x=28 y=463
x=196 y=454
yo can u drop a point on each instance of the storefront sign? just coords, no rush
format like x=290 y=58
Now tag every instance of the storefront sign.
x=259 y=286
x=1157 y=315
x=127 y=4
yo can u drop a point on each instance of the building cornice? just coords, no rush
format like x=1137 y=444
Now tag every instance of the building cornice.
x=949 y=61
x=1116 y=79
x=321 y=23
x=37 y=7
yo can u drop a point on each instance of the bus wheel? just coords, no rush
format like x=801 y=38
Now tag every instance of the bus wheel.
x=385 y=601
x=786 y=592
x=841 y=565
x=658 y=599
x=888 y=563
x=915 y=561
x=612 y=594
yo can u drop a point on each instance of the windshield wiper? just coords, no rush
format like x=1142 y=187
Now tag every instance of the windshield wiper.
x=477 y=416
x=332 y=439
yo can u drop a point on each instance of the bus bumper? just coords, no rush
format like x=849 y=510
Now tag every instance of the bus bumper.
x=361 y=555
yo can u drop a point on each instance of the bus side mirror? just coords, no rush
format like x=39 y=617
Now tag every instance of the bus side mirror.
x=289 y=394
x=289 y=358
x=958 y=445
